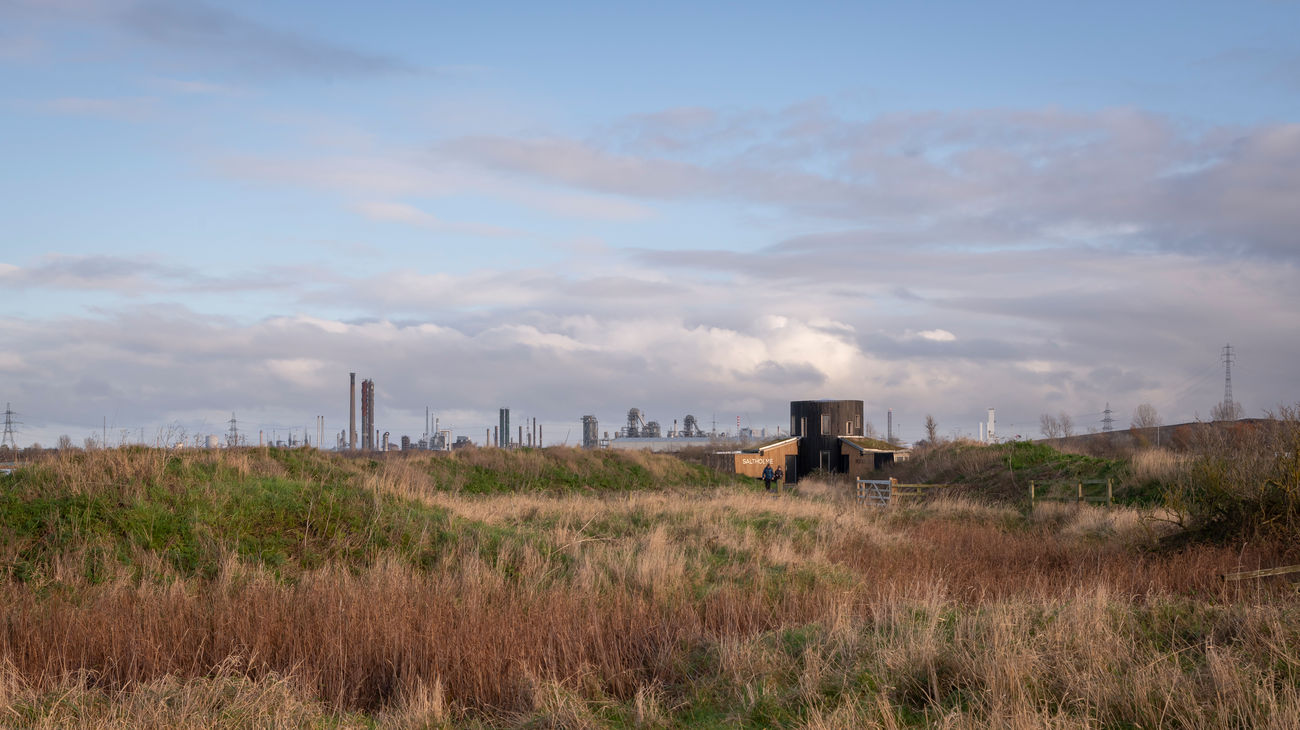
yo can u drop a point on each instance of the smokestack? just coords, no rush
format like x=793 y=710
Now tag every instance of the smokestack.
x=352 y=413
x=539 y=437
x=521 y=435
x=889 y=426
x=992 y=430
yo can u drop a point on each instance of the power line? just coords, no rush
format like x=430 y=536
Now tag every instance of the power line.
x=1185 y=388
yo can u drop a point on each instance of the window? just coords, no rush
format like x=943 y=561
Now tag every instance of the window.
x=826 y=424
x=848 y=428
x=792 y=424
x=803 y=426
x=826 y=461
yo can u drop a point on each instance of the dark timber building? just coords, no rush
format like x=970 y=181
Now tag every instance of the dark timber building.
x=820 y=424
x=826 y=435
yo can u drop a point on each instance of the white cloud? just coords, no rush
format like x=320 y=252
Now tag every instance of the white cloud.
x=937 y=335
x=403 y=213
x=472 y=342
x=1036 y=366
x=397 y=212
x=412 y=175
x=309 y=371
x=1058 y=244
x=1000 y=177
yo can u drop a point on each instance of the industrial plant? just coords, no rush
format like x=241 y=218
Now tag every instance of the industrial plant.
x=433 y=439
x=638 y=433
x=824 y=435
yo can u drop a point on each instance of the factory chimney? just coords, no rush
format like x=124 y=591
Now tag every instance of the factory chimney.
x=352 y=413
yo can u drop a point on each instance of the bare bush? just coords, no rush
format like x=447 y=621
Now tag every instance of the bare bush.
x=1244 y=484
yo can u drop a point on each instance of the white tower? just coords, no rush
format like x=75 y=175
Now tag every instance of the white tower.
x=992 y=431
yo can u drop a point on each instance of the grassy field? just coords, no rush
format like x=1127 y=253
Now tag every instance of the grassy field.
x=561 y=588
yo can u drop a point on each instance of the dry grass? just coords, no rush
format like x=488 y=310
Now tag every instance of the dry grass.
x=1158 y=465
x=670 y=608
x=227 y=698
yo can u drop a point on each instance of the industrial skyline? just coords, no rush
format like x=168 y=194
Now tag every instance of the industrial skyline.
x=688 y=208
x=635 y=427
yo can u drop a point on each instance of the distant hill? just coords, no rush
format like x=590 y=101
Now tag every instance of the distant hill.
x=1184 y=437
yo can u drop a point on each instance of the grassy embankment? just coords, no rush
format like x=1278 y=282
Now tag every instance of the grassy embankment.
x=1224 y=482
x=568 y=589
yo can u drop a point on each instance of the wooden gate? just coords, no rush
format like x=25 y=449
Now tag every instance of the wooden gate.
x=875 y=491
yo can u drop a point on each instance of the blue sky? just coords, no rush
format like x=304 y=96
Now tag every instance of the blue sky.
x=711 y=208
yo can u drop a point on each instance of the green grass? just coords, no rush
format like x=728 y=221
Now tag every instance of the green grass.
x=283 y=524
x=530 y=470
x=1002 y=472
x=290 y=510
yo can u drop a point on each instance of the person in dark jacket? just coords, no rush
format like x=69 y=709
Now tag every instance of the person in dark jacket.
x=768 y=476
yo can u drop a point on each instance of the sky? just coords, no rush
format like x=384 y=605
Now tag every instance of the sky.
x=578 y=208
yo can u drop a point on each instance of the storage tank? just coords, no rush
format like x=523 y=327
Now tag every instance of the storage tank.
x=213 y=442
x=590 y=432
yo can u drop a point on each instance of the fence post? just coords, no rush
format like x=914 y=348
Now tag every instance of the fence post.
x=1110 y=494
x=1080 y=493
x=1031 y=495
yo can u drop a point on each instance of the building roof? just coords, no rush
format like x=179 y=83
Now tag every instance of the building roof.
x=862 y=443
x=770 y=445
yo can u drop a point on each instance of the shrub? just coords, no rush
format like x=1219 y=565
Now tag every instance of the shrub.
x=1237 y=492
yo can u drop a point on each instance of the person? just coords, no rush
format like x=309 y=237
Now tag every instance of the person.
x=778 y=476
x=767 y=477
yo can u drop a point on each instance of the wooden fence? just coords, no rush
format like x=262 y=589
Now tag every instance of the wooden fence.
x=1079 y=496
x=1284 y=570
x=881 y=492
